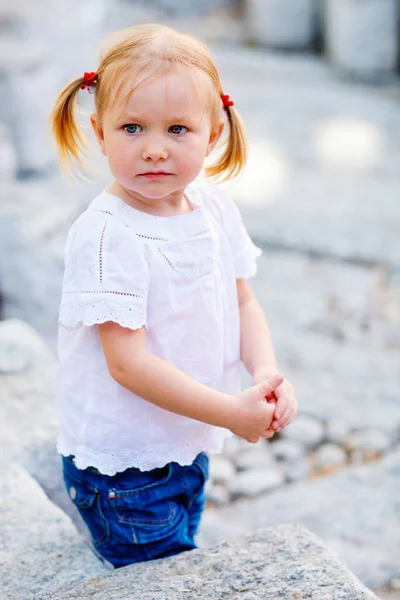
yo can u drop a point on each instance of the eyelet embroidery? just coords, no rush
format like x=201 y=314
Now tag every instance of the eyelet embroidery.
x=101 y=252
x=103 y=292
x=149 y=237
x=169 y=262
x=108 y=212
x=167 y=259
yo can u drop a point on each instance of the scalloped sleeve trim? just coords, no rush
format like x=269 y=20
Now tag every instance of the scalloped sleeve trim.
x=93 y=308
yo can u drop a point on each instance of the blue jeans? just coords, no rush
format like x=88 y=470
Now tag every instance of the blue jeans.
x=136 y=515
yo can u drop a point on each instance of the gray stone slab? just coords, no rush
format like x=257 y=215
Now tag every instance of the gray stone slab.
x=28 y=411
x=355 y=512
x=280 y=562
x=40 y=548
x=26 y=395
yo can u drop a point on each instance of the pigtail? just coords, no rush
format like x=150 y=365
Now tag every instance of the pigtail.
x=62 y=120
x=233 y=160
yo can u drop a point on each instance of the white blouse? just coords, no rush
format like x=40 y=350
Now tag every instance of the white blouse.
x=177 y=277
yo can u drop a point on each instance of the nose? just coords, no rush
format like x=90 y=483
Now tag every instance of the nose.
x=154 y=149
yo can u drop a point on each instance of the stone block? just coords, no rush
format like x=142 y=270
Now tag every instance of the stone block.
x=341 y=509
x=362 y=37
x=28 y=87
x=280 y=23
x=286 y=561
x=40 y=548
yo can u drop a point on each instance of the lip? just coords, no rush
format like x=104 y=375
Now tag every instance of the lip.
x=155 y=174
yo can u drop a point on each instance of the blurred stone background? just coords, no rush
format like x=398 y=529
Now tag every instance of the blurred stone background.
x=317 y=84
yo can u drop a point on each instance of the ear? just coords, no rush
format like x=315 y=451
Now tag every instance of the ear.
x=214 y=137
x=99 y=132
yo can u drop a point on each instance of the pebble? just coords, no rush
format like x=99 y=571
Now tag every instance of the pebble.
x=368 y=441
x=217 y=494
x=298 y=470
x=395 y=584
x=287 y=450
x=254 y=458
x=307 y=431
x=234 y=444
x=256 y=481
x=329 y=455
x=220 y=468
x=244 y=469
x=337 y=431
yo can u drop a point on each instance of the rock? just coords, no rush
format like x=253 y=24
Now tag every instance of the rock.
x=340 y=508
x=234 y=444
x=337 y=431
x=27 y=408
x=220 y=469
x=280 y=23
x=362 y=36
x=297 y=470
x=395 y=583
x=305 y=430
x=14 y=356
x=256 y=481
x=271 y=563
x=24 y=73
x=329 y=455
x=57 y=555
x=8 y=161
x=251 y=458
x=287 y=450
x=217 y=494
x=369 y=442
x=28 y=414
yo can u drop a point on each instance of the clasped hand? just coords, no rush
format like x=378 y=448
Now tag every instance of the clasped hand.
x=265 y=408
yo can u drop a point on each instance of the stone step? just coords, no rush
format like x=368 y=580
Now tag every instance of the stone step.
x=286 y=561
x=41 y=550
x=355 y=512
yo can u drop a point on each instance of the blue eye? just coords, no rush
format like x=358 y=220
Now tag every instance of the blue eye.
x=177 y=129
x=132 y=128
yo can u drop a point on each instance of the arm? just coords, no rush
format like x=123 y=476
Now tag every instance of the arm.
x=256 y=349
x=159 y=382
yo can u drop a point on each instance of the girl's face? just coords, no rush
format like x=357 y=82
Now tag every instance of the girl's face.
x=157 y=143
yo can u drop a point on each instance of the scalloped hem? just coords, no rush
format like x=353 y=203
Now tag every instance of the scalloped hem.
x=70 y=323
x=184 y=455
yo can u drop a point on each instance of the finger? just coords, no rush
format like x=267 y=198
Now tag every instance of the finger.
x=280 y=413
x=289 y=418
x=269 y=433
x=271 y=397
x=282 y=404
x=285 y=419
x=270 y=384
x=253 y=439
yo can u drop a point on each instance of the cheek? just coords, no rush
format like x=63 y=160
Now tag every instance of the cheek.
x=119 y=153
x=194 y=153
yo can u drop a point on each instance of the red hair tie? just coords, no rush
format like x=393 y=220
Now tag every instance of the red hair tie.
x=227 y=100
x=88 y=80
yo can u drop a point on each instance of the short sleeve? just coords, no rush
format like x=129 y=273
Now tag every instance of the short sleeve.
x=245 y=252
x=106 y=276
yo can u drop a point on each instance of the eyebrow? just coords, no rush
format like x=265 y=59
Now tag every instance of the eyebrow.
x=136 y=118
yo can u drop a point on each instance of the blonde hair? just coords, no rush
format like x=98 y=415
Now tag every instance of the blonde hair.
x=141 y=48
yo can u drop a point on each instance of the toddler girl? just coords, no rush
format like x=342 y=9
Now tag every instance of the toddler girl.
x=156 y=313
